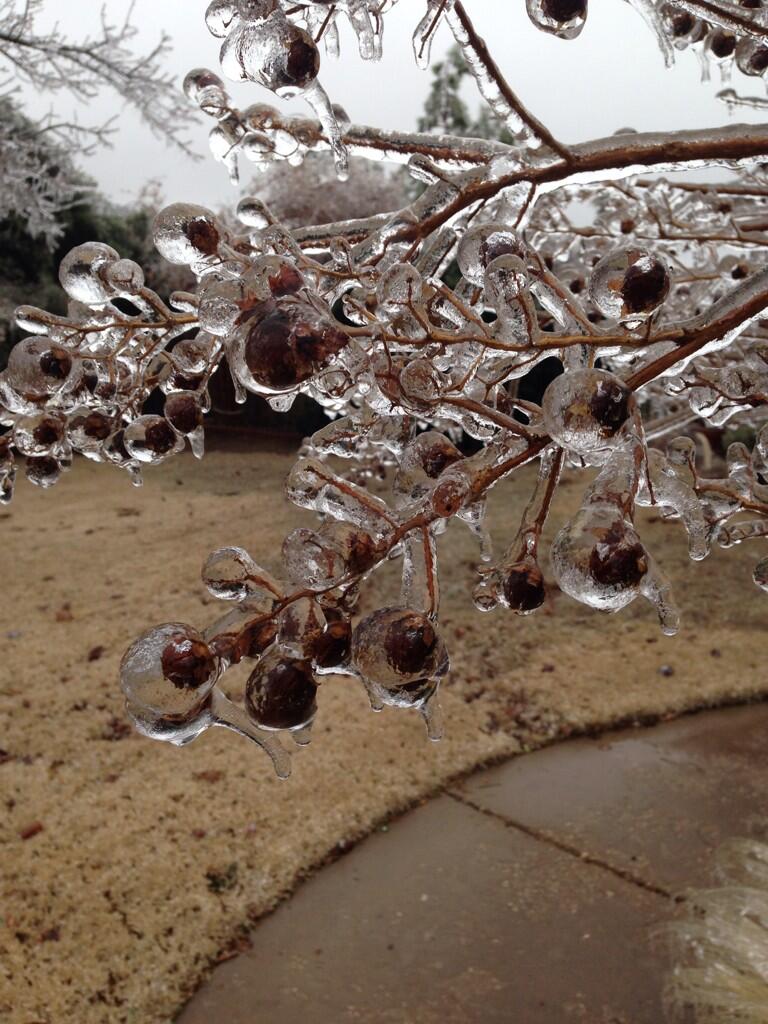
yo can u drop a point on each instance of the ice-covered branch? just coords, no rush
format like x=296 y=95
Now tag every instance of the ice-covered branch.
x=561 y=305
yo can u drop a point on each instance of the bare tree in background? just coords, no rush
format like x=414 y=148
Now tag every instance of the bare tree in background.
x=38 y=178
x=312 y=193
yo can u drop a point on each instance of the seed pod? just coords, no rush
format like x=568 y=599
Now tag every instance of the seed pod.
x=169 y=672
x=629 y=285
x=584 y=410
x=185 y=234
x=152 y=439
x=184 y=412
x=521 y=587
x=280 y=694
x=400 y=652
x=562 y=18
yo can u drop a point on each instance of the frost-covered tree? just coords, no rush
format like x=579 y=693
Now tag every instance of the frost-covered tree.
x=38 y=176
x=311 y=192
x=655 y=306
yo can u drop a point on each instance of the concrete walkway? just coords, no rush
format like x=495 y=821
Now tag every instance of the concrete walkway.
x=525 y=895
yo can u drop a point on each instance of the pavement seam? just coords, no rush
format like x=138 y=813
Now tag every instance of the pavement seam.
x=564 y=847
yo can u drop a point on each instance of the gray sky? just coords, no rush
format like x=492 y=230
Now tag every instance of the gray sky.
x=611 y=77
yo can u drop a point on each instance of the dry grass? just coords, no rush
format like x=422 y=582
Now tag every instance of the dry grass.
x=129 y=867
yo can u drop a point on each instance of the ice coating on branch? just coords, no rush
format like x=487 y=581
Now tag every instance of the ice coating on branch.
x=532 y=302
x=651 y=14
x=666 y=485
x=629 y=285
x=401 y=658
x=598 y=557
x=262 y=45
x=586 y=411
x=516 y=581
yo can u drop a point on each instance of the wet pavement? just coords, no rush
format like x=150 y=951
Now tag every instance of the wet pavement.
x=527 y=893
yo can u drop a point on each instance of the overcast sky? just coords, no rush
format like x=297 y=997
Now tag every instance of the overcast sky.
x=611 y=77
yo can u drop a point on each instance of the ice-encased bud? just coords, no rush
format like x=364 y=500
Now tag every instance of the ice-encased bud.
x=183 y=411
x=43 y=471
x=331 y=651
x=152 y=439
x=683 y=28
x=720 y=45
x=274 y=53
x=252 y=212
x=168 y=674
x=422 y=462
x=207 y=90
x=81 y=273
x=421 y=382
x=223 y=305
x=230 y=574
x=584 y=410
x=88 y=429
x=285 y=346
x=245 y=630
x=123 y=277
x=185 y=234
x=752 y=57
x=32 y=319
x=41 y=434
x=280 y=693
x=629 y=285
x=300 y=624
x=318 y=558
x=400 y=654
x=562 y=18
x=38 y=368
x=219 y=17
x=599 y=559
x=485 y=596
x=400 y=285
x=481 y=245
x=520 y=586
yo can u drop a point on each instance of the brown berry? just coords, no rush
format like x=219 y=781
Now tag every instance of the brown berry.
x=618 y=560
x=281 y=695
x=644 y=288
x=183 y=412
x=610 y=406
x=48 y=431
x=332 y=647
x=203 y=235
x=187 y=663
x=302 y=61
x=56 y=363
x=409 y=642
x=159 y=437
x=97 y=426
x=563 y=11
x=437 y=456
x=523 y=587
x=722 y=44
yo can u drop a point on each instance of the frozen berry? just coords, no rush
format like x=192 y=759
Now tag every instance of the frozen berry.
x=522 y=587
x=187 y=662
x=280 y=694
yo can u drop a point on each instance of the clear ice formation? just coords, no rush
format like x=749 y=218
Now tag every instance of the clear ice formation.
x=414 y=329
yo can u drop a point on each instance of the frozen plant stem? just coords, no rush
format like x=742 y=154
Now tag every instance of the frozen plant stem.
x=416 y=330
